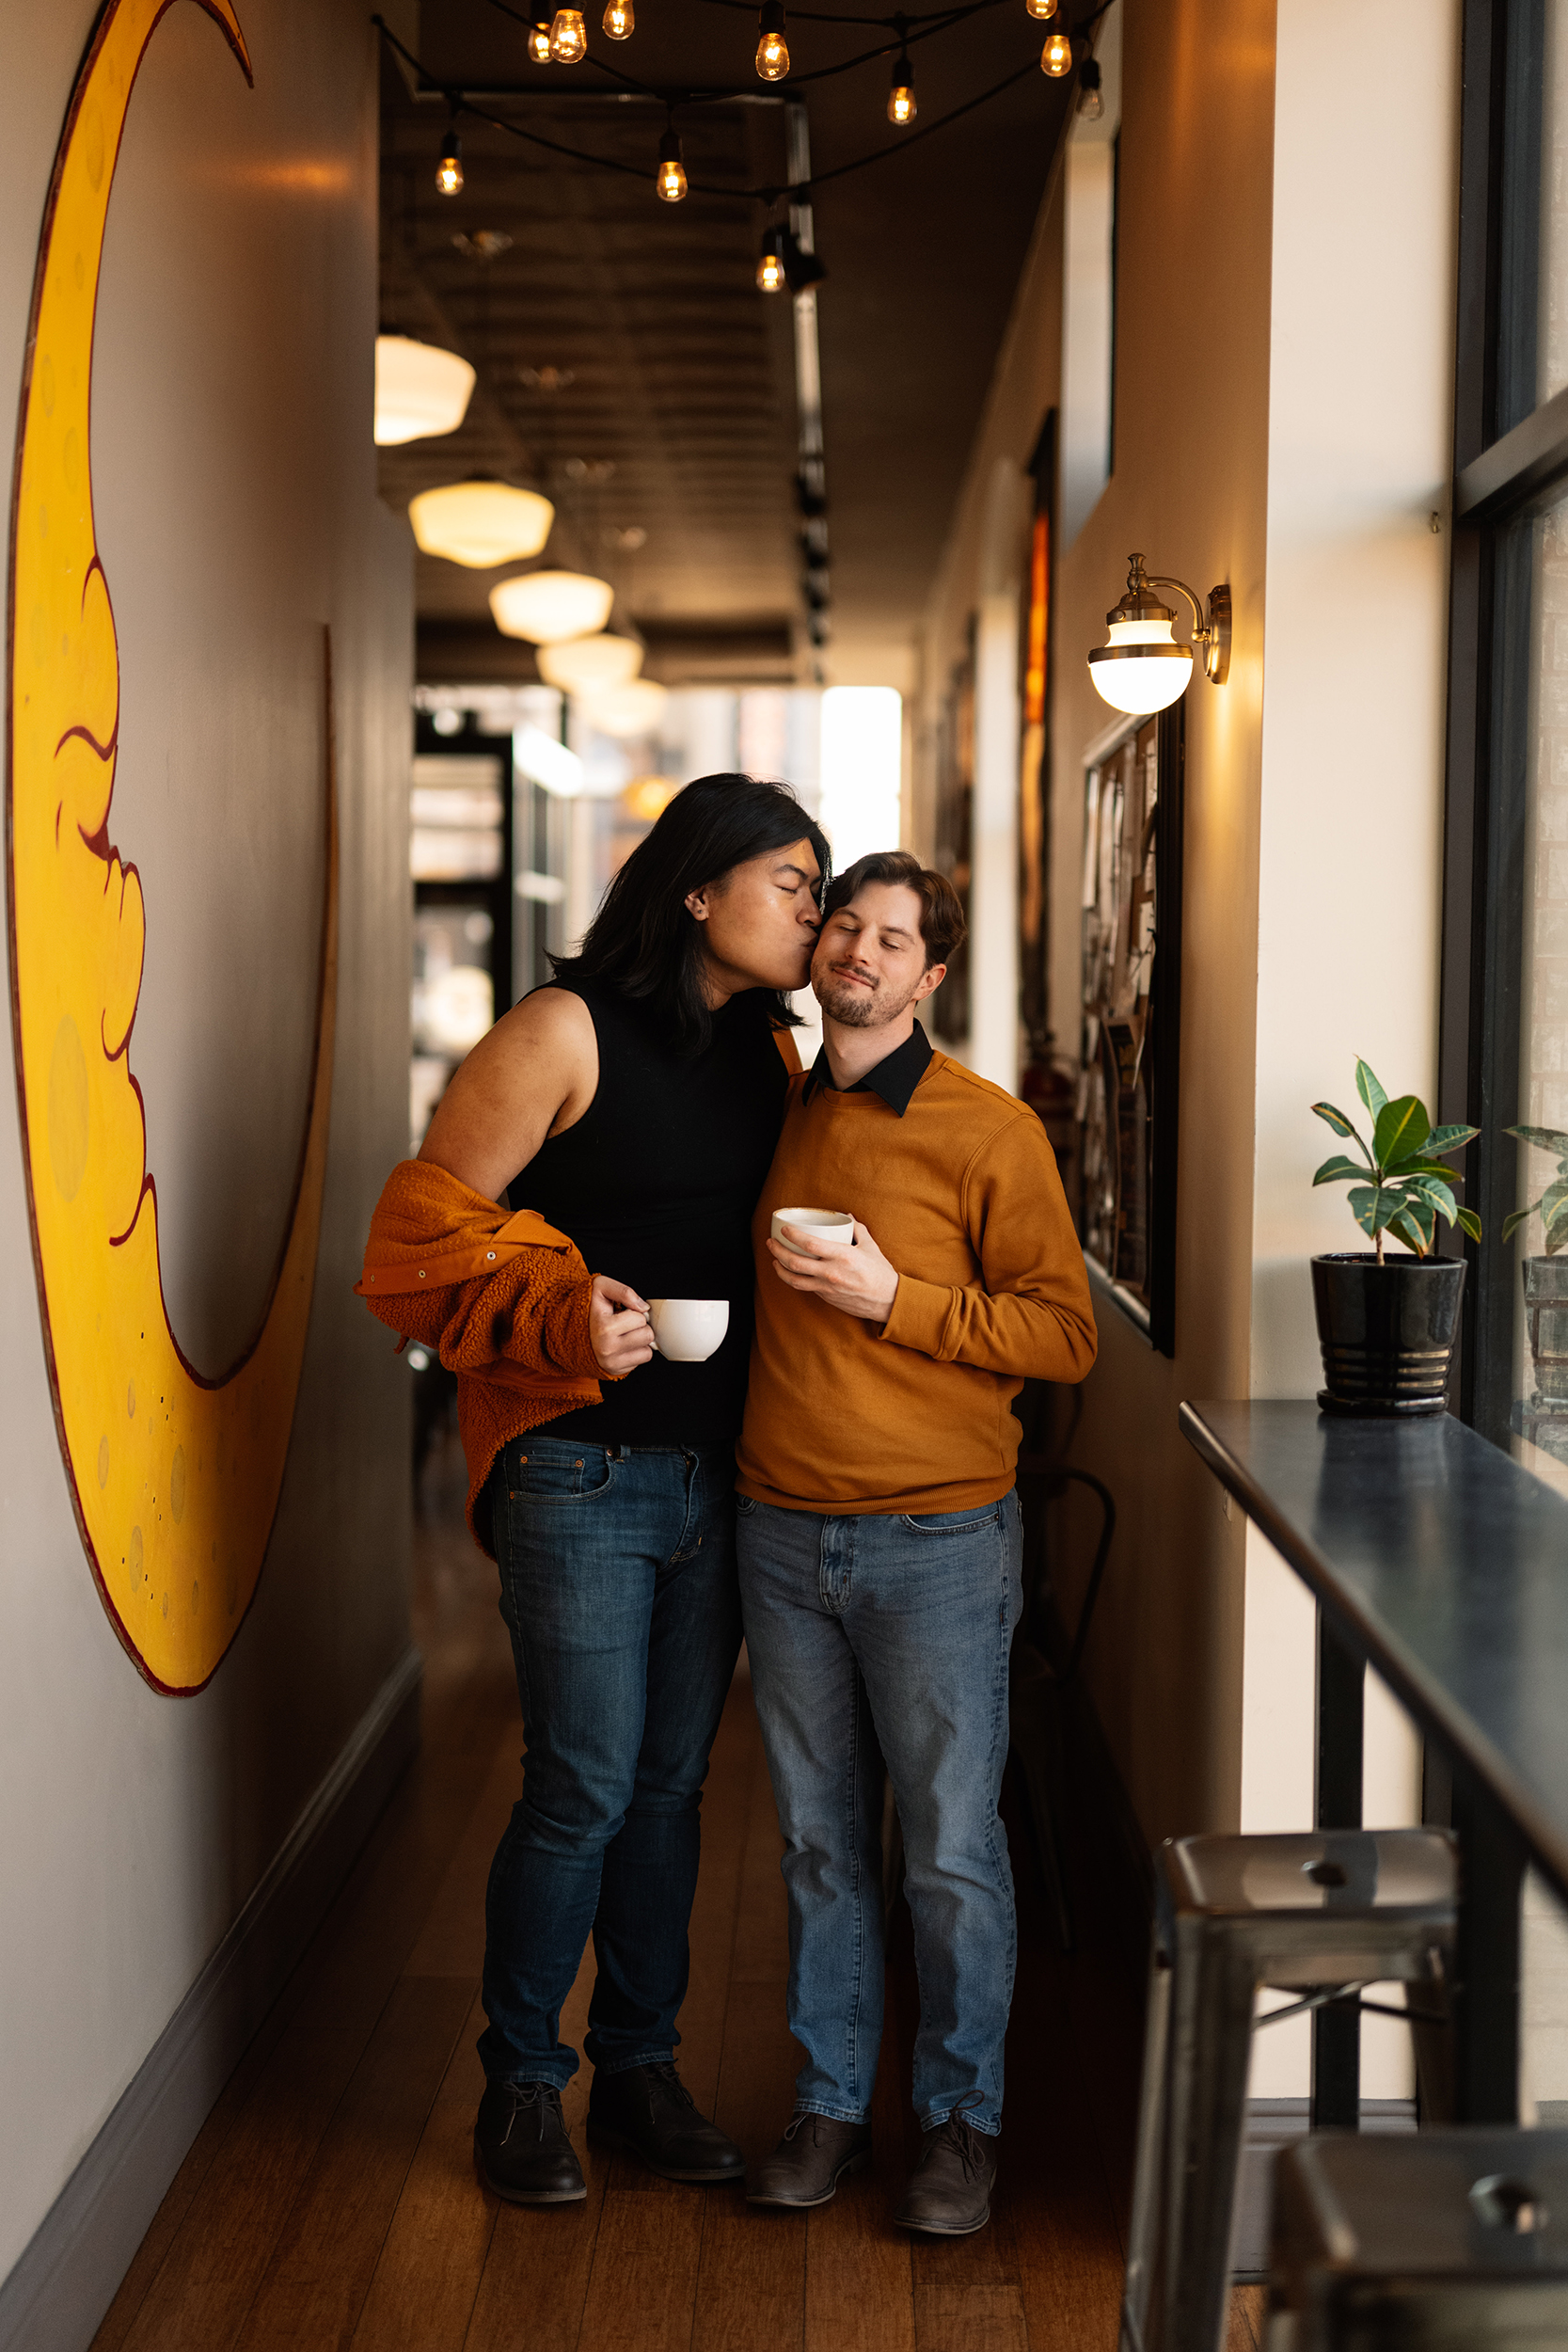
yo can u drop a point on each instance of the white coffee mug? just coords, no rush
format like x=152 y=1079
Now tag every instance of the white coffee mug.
x=835 y=1225
x=687 y=1330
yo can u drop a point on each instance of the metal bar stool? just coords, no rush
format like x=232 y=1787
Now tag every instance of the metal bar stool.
x=1323 y=1915
x=1430 y=2242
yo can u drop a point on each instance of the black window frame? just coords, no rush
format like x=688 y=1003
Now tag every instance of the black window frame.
x=1508 y=466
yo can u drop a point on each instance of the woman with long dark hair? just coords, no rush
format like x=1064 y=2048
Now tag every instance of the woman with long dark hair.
x=628 y=1111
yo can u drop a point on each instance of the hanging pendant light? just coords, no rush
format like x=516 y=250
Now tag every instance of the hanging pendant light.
x=481 y=523
x=619 y=21
x=771 y=268
x=539 y=40
x=901 y=107
x=549 y=607
x=590 y=665
x=420 y=389
x=449 y=169
x=625 y=711
x=1056 y=57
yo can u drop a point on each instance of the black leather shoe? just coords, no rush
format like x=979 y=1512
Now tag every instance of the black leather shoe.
x=521 y=2146
x=650 y=2110
x=807 y=2164
x=949 y=2190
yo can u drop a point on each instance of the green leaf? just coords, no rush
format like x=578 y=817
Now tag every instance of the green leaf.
x=1554 y=1203
x=1336 y=1119
x=1336 y=1172
x=1403 y=1127
x=1555 y=1240
x=1367 y=1088
x=1433 y=1190
x=1449 y=1138
x=1419 y=1164
x=1510 y=1223
x=1469 y=1223
x=1374 y=1207
x=1416 y=1227
x=1544 y=1138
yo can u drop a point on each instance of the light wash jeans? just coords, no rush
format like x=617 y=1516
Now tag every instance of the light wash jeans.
x=889 y=1633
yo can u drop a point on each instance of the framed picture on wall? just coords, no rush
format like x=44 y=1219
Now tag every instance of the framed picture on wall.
x=1129 y=1083
x=955 y=846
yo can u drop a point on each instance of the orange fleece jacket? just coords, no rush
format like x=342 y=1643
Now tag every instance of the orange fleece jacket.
x=962 y=1195
x=502 y=1298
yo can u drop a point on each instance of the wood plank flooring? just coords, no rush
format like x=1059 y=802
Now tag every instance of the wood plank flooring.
x=330 y=2205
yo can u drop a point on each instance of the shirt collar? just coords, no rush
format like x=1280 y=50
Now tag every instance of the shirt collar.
x=894 y=1079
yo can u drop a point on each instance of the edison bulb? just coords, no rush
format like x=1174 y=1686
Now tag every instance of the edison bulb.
x=539 y=45
x=568 y=41
x=1045 y=9
x=670 y=181
x=1091 y=103
x=770 y=269
x=619 y=21
x=1056 y=57
x=449 y=171
x=772 y=49
x=900 y=105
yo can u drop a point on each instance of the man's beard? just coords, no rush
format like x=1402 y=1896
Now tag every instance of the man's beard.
x=854 y=1007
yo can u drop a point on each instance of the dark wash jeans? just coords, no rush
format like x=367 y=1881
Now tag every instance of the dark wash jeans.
x=618 y=1588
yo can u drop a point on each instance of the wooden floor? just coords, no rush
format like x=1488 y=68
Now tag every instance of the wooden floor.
x=331 y=2202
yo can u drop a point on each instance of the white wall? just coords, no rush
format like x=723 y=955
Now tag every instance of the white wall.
x=234 y=475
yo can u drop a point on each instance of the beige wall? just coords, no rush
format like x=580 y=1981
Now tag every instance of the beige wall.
x=235 y=480
x=1189 y=490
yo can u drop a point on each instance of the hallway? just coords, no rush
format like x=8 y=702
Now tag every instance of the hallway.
x=330 y=2200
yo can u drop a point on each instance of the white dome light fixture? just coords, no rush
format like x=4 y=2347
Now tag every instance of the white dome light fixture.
x=589 y=665
x=481 y=523
x=420 y=390
x=626 y=711
x=549 y=607
x=1141 y=668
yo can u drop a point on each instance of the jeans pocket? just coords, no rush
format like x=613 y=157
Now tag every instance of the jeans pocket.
x=552 y=1470
x=744 y=1505
x=951 y=1522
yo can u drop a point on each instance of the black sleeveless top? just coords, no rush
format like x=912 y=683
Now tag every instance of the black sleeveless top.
x=656 y=1183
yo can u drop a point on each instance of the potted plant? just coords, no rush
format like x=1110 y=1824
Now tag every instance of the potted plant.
x=1546 y=1278
x=1386 y=1325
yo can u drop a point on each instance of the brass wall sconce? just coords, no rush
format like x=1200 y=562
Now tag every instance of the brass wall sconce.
x=1141 y=668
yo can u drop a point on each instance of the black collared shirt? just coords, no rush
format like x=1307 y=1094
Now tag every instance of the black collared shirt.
x=893 y=1079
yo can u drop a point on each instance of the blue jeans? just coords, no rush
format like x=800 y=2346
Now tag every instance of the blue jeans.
x=889 y=1633
x=618 y=1588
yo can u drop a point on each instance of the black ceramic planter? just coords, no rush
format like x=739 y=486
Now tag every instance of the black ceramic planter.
x=1387 y=1332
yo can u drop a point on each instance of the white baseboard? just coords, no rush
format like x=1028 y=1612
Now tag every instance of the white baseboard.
x=68 y=2276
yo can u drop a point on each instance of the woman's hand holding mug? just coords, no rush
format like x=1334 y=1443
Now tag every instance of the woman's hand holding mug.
x=618 y=1328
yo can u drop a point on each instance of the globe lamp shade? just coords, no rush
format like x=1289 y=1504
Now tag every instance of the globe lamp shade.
x=481 y=523
x=1140 y=668
x=420 y=390
x=587 y=665
x=547 y=608
x=626 y=711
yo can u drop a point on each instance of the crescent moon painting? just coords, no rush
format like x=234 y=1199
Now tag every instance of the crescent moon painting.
x=175 y=1478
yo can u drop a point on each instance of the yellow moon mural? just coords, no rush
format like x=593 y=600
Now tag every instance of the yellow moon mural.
x=175 y=1478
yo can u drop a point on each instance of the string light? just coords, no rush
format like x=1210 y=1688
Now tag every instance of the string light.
x=770 y=269
x=1045 y=9
x=900 y=105
x=539 y=40
x=670 y=179
x=772 y=49
x=619 y=21
x=1091 y=103
x=1056 y=57
x=568 y=41
x=449 y=171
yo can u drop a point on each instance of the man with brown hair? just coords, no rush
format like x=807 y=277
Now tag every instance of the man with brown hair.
x=878 y=1535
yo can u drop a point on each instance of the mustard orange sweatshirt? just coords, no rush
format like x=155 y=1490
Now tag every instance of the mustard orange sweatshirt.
x=961 y=1194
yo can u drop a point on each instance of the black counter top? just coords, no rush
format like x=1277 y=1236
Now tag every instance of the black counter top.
x=1439 y=1560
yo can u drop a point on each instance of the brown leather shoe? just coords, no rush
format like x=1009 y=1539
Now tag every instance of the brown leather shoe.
x=807 y=2164
x=949 y=2190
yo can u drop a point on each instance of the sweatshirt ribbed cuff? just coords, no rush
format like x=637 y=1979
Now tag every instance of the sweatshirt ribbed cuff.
x=920 y=1315
x=567 y=1336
